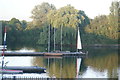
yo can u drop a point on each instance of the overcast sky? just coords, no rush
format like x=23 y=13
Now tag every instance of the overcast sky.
x=21 y=9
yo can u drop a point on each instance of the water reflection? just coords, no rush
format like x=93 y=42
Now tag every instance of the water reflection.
x=91 y=73
x=18 y=61
x=109 y=63
x=64 y=67
x=100 y=66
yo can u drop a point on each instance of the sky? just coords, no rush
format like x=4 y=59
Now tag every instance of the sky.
x=21 y=9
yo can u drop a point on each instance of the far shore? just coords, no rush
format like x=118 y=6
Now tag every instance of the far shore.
x=112 y=45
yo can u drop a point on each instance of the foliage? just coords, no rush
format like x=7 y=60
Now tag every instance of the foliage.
x=67 y=17
x=106 y=25
x=40 y=12
x=62 y=22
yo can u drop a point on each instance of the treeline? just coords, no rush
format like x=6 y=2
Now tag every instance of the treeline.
x=18 y=35
x=62 y=24
x=106 y=25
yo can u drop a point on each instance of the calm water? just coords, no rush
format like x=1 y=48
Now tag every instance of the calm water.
x=100 y=63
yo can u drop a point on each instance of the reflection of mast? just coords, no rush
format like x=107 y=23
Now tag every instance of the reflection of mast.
x=78 y=64
x=54 y=68
x=48 y=64
x=118 y=73
x=61 y=69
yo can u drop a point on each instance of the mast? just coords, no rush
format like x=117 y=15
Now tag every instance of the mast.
x=54 y=38
x=4 y=47
x=49 y=38
x=61 y=38
x=0 y=33
x=79 y=46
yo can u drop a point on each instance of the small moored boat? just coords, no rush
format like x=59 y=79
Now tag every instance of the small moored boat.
x=27 y=69
x=7 y=71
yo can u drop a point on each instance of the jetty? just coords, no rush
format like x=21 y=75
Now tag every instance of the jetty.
x=12 y=53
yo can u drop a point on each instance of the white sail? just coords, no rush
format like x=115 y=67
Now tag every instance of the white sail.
x=79 y=46
x=78 y=65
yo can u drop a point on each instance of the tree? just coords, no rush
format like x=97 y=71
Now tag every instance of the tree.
x=66 y=16
x=14 y=21
x=106 y=25
x=16 y=24
x=65 y=22
x=24 y=24
x=39 y=13
x=113 y=18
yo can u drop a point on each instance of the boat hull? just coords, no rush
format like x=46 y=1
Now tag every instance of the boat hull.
x=27 y=69
x=7 y=71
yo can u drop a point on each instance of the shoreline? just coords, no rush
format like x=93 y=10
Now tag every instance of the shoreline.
x=102 y=45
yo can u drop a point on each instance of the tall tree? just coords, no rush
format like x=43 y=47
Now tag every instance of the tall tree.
x=106 y=25
x=65 y=21
x=113 y=18
x=66 y=16
x=39 y=13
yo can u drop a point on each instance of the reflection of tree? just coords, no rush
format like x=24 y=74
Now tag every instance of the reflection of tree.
x=100 y=51
x=62 y=68
x=69 y=68
x=58 y=67
x=54 y=67
x=38 y=61
x=109 y=63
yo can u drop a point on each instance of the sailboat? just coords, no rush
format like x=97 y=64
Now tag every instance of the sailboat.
x=79 y=44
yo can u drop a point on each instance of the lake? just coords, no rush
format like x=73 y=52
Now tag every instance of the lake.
x=99 y=63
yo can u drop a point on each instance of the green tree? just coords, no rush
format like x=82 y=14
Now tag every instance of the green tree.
x=39 y=13
x=67 y=19
x=106 y=25
x=16 y=24
x=113 y=19
x=66 y=16
x=24 y=24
